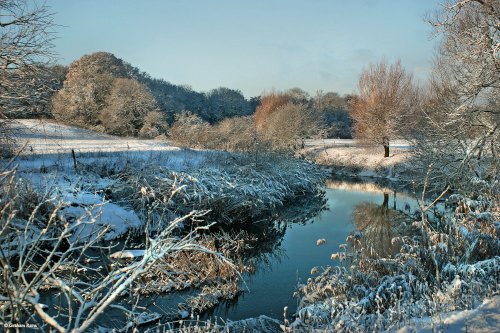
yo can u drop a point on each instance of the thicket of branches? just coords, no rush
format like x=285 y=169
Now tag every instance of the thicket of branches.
x=327 y=112
x=25 y=57
x=432 y=265
x=457 y=129
x=43 y=249
x=439 y=260
x=284 y=130
x=231 y=134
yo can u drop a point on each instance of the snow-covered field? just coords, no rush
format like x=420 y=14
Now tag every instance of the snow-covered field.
x=46 y=137
x=139 y=172
x=113 y=187
x=329 y=143
x=46 y=145
x=350 y=158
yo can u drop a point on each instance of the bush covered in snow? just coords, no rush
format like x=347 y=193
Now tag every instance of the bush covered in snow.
x=445 y=262
x=232 y=187
x=45 y=248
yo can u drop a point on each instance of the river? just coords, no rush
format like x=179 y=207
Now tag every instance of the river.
x=271 y=287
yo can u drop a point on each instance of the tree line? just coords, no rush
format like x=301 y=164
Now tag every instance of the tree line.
x=451 y=121
x=104 y=93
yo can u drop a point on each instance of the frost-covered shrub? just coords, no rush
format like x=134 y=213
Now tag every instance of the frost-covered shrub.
x=19 y=203
x=7 y=141
x=231 y=134
x=154 y=125
x=234 y=188
x=237 y=134
x=446 y=263
x=45 y=247
x=189 y=130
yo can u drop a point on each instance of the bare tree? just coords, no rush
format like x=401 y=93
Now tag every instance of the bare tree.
x=289 y=124
x=459 y=124
x=25 y=53
x=385 y=92
x=269 y=103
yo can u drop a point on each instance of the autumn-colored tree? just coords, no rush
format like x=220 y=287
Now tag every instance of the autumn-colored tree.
x=385 y=93
x=269 y=103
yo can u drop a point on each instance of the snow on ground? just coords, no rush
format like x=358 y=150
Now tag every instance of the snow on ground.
x=353 y=159
x=46 y=137
x=329 y=143
x=484 y=319
x=237 y=181
x=46 y=161
x=46 y=143
x=96 y=214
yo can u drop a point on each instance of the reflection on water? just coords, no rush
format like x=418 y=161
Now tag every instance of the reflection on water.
x=350 y=206
x=356 y=186
x=378 y=224
x=286 y=250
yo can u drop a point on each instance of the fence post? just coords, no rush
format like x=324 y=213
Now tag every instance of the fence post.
x=74 y=160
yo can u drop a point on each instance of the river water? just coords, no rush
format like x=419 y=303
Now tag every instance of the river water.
x=271 y=287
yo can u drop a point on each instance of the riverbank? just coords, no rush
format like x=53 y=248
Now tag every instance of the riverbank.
x=349 y=158
x=171 y=207
x=177 y=213
x=80 y=164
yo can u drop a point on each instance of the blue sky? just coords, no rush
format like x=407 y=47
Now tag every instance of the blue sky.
x=253 y=46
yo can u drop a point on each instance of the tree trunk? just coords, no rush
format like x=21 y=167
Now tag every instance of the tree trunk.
x=386 y=150
x=385 y=204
